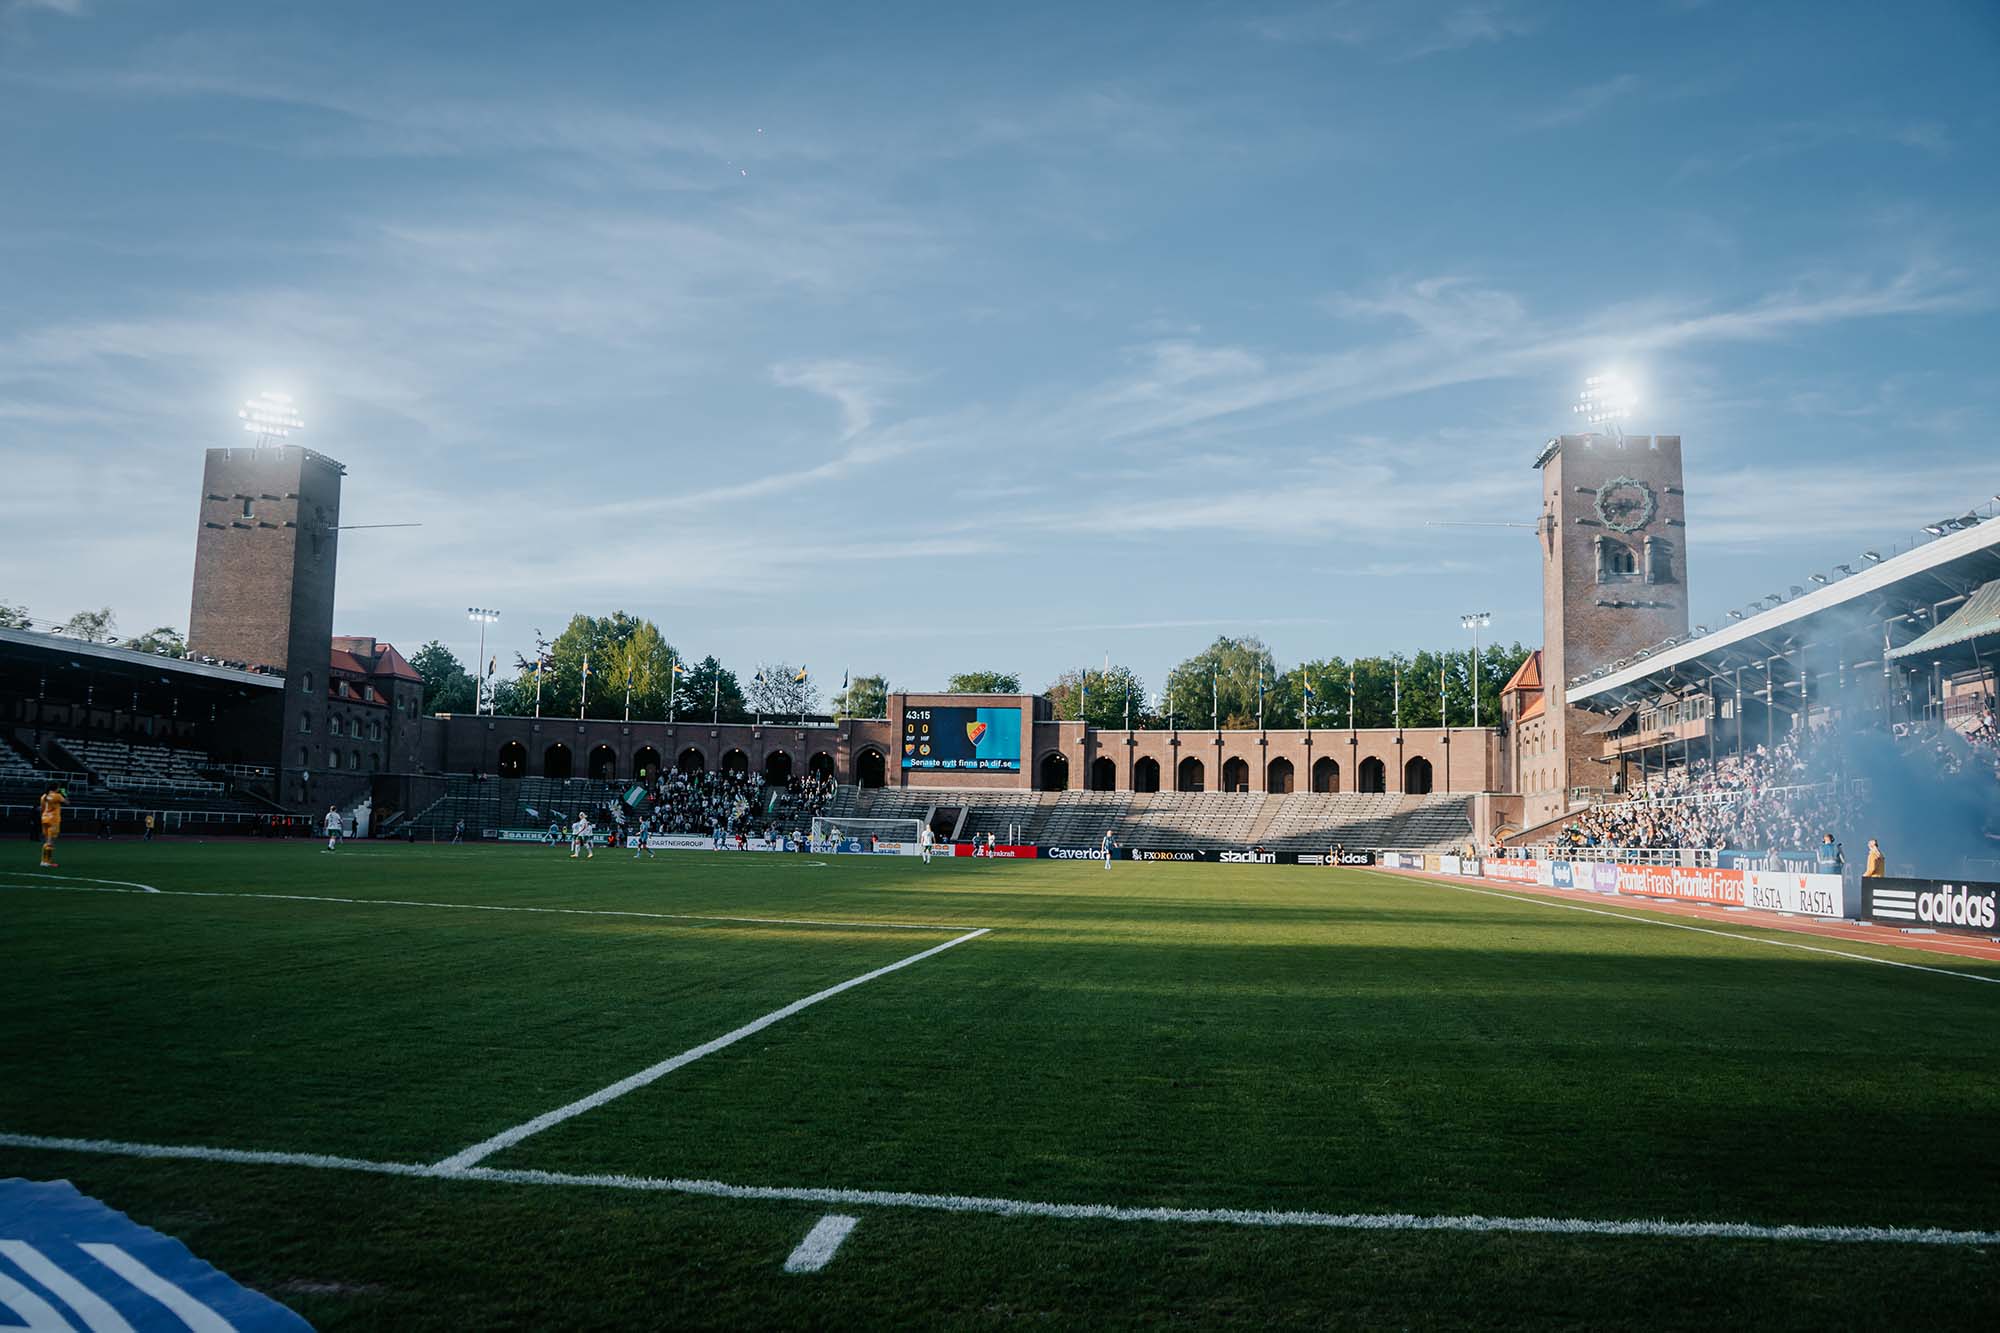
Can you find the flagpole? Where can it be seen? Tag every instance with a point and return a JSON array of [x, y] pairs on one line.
[[583, 693], [628, 696], [715, 710]]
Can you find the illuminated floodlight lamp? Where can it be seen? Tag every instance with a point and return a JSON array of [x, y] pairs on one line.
[[1606, 400], [1872, 557], [1819, 578], [270, 417], [1736, 615], [1936, 529]]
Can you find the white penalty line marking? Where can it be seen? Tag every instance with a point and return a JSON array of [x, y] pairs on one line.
[[1074, 1212], [30, 882], [509, 1137], [1699, 930], [817, 1249]]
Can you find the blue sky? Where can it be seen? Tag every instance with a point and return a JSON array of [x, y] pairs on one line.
[[909, 338]]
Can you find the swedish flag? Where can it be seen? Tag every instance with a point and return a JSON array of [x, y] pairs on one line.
[[799, 675]]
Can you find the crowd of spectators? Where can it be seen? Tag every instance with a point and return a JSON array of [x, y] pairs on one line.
[[1779, 800], [811, 794], [704, 802]]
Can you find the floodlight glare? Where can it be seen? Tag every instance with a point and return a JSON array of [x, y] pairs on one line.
[[270, 417], [1606, 400], [1872, 557]]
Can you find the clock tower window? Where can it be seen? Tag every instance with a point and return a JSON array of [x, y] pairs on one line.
[[1616, 561]]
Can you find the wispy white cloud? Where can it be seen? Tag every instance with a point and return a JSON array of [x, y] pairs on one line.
[[858, 388], [1581, 104]]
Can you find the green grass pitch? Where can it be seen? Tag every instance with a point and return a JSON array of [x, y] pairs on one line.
[[1185, 1037]]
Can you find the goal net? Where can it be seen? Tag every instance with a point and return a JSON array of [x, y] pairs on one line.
[[826, 829]]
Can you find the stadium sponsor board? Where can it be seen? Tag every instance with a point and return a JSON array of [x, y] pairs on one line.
[[1402, 861], [883, 847], [1801, 894], [1077, 853], [1512, 871], [1328, 859], [600, 837], [1451, 864], [1248, 858], [1170, 854], [1000, 851], [1693, 884], [1603, 877], [1955, 905], [1562, 874]]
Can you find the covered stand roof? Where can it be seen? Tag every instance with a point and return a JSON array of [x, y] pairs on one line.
[[1979, 618]]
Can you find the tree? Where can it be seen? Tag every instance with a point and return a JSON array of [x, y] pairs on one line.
[[984, 682], [709, 689], [781, 690], [90, 626], [448, 686], [865, 696], [1099, 697], [14, 617], [166, 641], [620, 648], [1221, 683]]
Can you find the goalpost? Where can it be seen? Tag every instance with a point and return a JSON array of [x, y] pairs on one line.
[[827, 829]]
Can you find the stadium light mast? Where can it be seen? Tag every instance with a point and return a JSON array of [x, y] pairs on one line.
[[1475, 622], [1606, 400], [271, 418], [484, 617]]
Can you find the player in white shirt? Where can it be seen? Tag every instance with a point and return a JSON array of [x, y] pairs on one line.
[[580, 839], [924, 841], [332, 828], [1105, 846], [989, 846]]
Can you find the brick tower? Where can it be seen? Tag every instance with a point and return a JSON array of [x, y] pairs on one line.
[[263, 582], [1614, 580]]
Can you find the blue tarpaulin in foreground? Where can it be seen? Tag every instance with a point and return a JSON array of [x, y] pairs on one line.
[[67, 1262]]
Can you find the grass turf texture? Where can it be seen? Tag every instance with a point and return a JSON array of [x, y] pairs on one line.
[[1199, 1036]]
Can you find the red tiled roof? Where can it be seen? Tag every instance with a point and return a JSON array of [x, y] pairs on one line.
[[385, 660], [1528, 676]]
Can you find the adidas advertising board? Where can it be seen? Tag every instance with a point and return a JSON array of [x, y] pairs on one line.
[[1343, 859], [1955, 905]]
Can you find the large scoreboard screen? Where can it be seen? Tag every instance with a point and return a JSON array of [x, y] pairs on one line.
[[986, 740]]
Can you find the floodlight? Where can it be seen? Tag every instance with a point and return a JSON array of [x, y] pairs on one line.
[[270, 417], [1872, 557], [1845, 570], [1797, 591], [1701, 629], [1935, 529], [1736, 615], [1819, 578], [1605, 400]]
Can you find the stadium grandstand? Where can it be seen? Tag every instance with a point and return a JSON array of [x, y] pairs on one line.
[[1629, 730]]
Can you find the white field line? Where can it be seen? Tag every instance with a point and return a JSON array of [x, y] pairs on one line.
[[60, 880], [1079, 1212], [32, 883], [507, 1138], [1699, 930], [817, 1249]]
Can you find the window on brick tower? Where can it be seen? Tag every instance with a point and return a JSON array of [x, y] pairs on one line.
[[1615, 560]]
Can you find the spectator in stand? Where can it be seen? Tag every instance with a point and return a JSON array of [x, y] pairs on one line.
[[1878, 866]]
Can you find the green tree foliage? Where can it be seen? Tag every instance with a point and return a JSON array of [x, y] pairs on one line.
[[448, 686], [166, 641], [14, 617], [984, 682], [621, 649], [1220, 682], [90, 626], [777, 691], [710, 690], [1099, 696], [865, 696]]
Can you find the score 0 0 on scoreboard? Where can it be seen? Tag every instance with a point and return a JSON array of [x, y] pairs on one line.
[[957, 739]]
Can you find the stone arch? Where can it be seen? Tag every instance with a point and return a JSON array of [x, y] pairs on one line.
[[646, 763], [556, 762], [1146, 775], [1235, 774], [603, 763], [821, 764], [1326, 774], [778, 767], [1104, 773], [1373, 777], [1191, 776], [691, 761], [1278, 777], [734, 762], [869, 770], [1417, 776], [1054, 771]]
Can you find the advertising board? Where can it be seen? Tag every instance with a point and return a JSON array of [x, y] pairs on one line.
[[1801, 894], [1693, 884], [1954, 905], [1328, 859]]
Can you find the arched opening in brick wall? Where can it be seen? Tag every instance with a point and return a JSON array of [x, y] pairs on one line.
[[691, 761], [1104, 773], [1278, 777], [1055, 771], [556, 762], [1235, 775], [734, 762], [1373, 778], [603, 763], [777, 768], [1326, 775], [646, 764], [1417, 777], [1191, 776], [869, 770], [1146, 775], [821, 765]]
